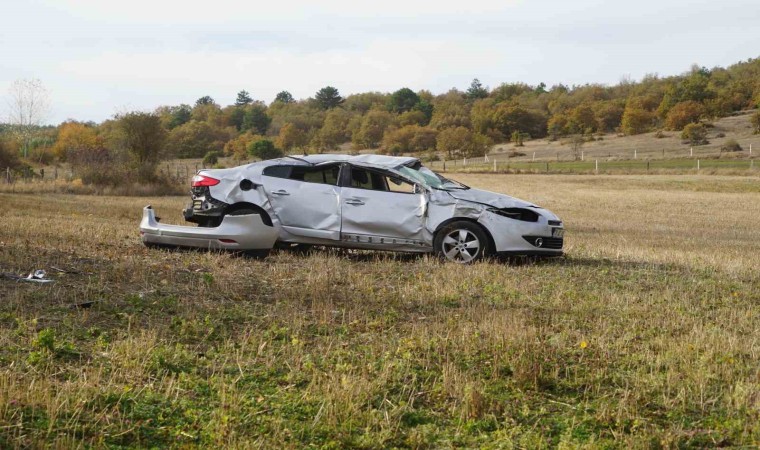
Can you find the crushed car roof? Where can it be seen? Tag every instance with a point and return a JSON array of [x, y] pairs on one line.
[[374, 160]]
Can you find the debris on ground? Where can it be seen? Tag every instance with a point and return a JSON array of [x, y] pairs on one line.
[[37, 276]]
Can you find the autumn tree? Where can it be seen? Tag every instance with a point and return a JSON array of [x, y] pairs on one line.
[[334, 131], [414, 117], [510, 118], [142, 137], [291, 137], [608, 115], [210, 113], [582, 119], [363, 102], [684, 113], [411, 138], [636, 119], [557, 126], [29, 106], [238, 146], [195, 139], [328, 97], [451, 110], [462, 142], [372, 129], [75, 136]]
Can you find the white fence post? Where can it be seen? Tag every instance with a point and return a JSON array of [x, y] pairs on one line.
[[697, 165], [596, 167], [534, 156], [581, 156], [691, 151], [635, 154]]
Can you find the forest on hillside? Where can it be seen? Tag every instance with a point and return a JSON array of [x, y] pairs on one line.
[[458, 123]]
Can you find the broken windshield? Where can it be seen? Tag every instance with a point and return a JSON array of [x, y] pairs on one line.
[[427, 177]]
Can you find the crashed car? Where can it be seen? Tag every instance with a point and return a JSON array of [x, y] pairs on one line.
[[361, 202]]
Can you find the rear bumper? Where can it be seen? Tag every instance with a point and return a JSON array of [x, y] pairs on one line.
[[235, 233]]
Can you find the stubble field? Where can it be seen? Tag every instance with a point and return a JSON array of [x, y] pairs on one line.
[[645, 335]]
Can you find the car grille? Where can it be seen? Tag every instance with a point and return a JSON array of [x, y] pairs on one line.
[[549, 243]]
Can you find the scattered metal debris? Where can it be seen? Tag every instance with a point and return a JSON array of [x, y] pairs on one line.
[[38, 276]]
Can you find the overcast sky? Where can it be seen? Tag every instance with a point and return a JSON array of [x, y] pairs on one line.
[[100, 57]]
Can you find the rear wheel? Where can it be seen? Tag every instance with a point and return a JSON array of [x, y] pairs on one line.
[[462, 242]]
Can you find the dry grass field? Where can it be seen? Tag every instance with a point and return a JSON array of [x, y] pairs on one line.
[[645, 335]]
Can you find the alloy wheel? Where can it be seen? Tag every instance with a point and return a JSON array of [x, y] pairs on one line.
[[461, 246]]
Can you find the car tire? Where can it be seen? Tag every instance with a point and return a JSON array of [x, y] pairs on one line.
[[462, 241]]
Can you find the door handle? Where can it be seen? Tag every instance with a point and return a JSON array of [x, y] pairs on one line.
[[354, 201], [280, 192]]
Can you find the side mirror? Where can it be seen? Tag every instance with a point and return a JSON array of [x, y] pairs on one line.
[[418, 189]]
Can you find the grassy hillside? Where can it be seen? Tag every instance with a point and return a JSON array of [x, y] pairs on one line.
[[647, 145], [645, 335]]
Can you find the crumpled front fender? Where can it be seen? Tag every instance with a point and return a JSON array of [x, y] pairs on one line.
[[245, 232]]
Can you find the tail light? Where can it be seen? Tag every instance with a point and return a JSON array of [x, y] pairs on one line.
[[203, 180]]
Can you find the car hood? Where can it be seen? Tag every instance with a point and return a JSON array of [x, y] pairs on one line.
[[490, 198]]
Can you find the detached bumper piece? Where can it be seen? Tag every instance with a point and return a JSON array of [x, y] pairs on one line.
[[246, 232]]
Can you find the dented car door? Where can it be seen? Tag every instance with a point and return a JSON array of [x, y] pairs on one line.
[[380, 208], [305, 199]]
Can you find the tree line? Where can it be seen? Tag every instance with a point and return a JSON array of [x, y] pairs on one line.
[[458, 123]]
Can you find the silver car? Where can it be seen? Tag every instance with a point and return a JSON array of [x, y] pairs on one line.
[[364, 202]]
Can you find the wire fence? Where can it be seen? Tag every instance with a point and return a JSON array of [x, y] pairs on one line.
[[598, 166], [590, 155]]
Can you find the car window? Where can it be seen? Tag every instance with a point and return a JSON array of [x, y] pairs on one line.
[[376, 181], [396, 184], [327, 174], [277, 171]]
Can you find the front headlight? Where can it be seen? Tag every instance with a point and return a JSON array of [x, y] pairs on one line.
[[523, 214]]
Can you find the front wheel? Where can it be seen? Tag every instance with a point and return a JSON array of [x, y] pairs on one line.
[[461, 242]]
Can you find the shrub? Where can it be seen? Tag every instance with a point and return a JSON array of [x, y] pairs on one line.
[[720, 135], [211, 158], [264, 149], [8, 156], [694, 134], [755, 121], [659, 134], [731, 146]]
